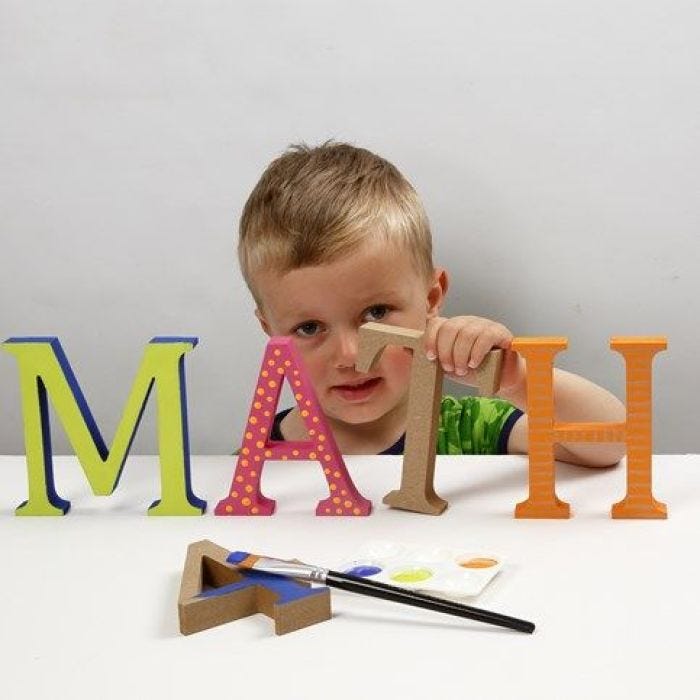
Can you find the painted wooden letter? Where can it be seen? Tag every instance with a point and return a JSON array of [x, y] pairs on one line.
[[45, 372], [544, 431], [213, 592], [283, 361]]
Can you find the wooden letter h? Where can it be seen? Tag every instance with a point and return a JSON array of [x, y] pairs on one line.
[[544, 431]]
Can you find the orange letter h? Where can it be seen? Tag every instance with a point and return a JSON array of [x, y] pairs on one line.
[[544, 431]]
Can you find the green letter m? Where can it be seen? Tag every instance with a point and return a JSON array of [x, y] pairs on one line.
[[45, 372]]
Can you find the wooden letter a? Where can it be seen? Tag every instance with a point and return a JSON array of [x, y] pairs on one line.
[[283, 361]]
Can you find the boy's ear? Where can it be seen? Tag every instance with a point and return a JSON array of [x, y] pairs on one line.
[[437, 291], [263, 322]]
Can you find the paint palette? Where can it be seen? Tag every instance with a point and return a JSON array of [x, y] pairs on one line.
[[450, 572]]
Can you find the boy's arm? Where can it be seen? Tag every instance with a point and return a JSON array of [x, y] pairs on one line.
[[461, 343], [576, 400]]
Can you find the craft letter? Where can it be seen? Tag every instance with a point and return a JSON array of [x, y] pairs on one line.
[[416, 492], [544, 431], [45, 372], [213, 591], [281, 362]]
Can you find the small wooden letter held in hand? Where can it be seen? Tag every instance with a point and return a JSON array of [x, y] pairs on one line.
[[417, 492], [488, 373]]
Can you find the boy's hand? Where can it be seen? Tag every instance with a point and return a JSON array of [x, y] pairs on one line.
[[460, 344]]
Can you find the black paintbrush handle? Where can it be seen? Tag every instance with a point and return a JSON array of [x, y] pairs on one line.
[[356, 584]]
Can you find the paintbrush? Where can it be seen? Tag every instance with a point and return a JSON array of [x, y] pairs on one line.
[[356, 584]]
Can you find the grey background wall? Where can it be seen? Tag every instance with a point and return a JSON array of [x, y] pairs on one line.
[[556, 147]]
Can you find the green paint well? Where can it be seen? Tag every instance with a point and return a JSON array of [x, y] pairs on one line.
[[411, 575]]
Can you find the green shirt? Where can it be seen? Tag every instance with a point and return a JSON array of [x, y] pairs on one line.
[[469, 425], [475, 425]]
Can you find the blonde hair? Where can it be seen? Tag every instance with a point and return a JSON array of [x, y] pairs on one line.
[[314, 205]]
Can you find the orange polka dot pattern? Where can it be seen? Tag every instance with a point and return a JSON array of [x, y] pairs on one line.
[[282, 361]]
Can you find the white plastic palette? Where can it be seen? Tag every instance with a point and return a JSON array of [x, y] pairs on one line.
[[451, 572]]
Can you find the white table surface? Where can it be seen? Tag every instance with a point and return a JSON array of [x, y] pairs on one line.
[[88, 602]]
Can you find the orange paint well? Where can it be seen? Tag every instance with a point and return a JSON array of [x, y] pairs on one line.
[[478, 563]]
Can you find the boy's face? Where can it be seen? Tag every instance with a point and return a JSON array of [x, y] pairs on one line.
[[322, 308]]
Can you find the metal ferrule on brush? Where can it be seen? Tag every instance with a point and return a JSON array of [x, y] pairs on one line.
[[305, 572]]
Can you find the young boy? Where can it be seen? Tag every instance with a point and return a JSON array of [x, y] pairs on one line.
[[333, 237]]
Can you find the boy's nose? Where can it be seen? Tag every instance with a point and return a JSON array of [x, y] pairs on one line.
[[345, 350]]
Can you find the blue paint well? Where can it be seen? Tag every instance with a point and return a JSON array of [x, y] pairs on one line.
[[364, 570]]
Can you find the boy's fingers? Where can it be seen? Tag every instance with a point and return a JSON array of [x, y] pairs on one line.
[[445, 343], [494, 337], [430, 336], [462, 350], [461, 343]]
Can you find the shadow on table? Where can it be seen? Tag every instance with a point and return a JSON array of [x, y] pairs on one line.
[[442, 622]]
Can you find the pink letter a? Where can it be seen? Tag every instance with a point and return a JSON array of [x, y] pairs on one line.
[[282, 361]]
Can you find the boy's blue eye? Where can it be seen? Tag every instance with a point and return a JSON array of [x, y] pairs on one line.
[[376, 313], [306, 330]]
